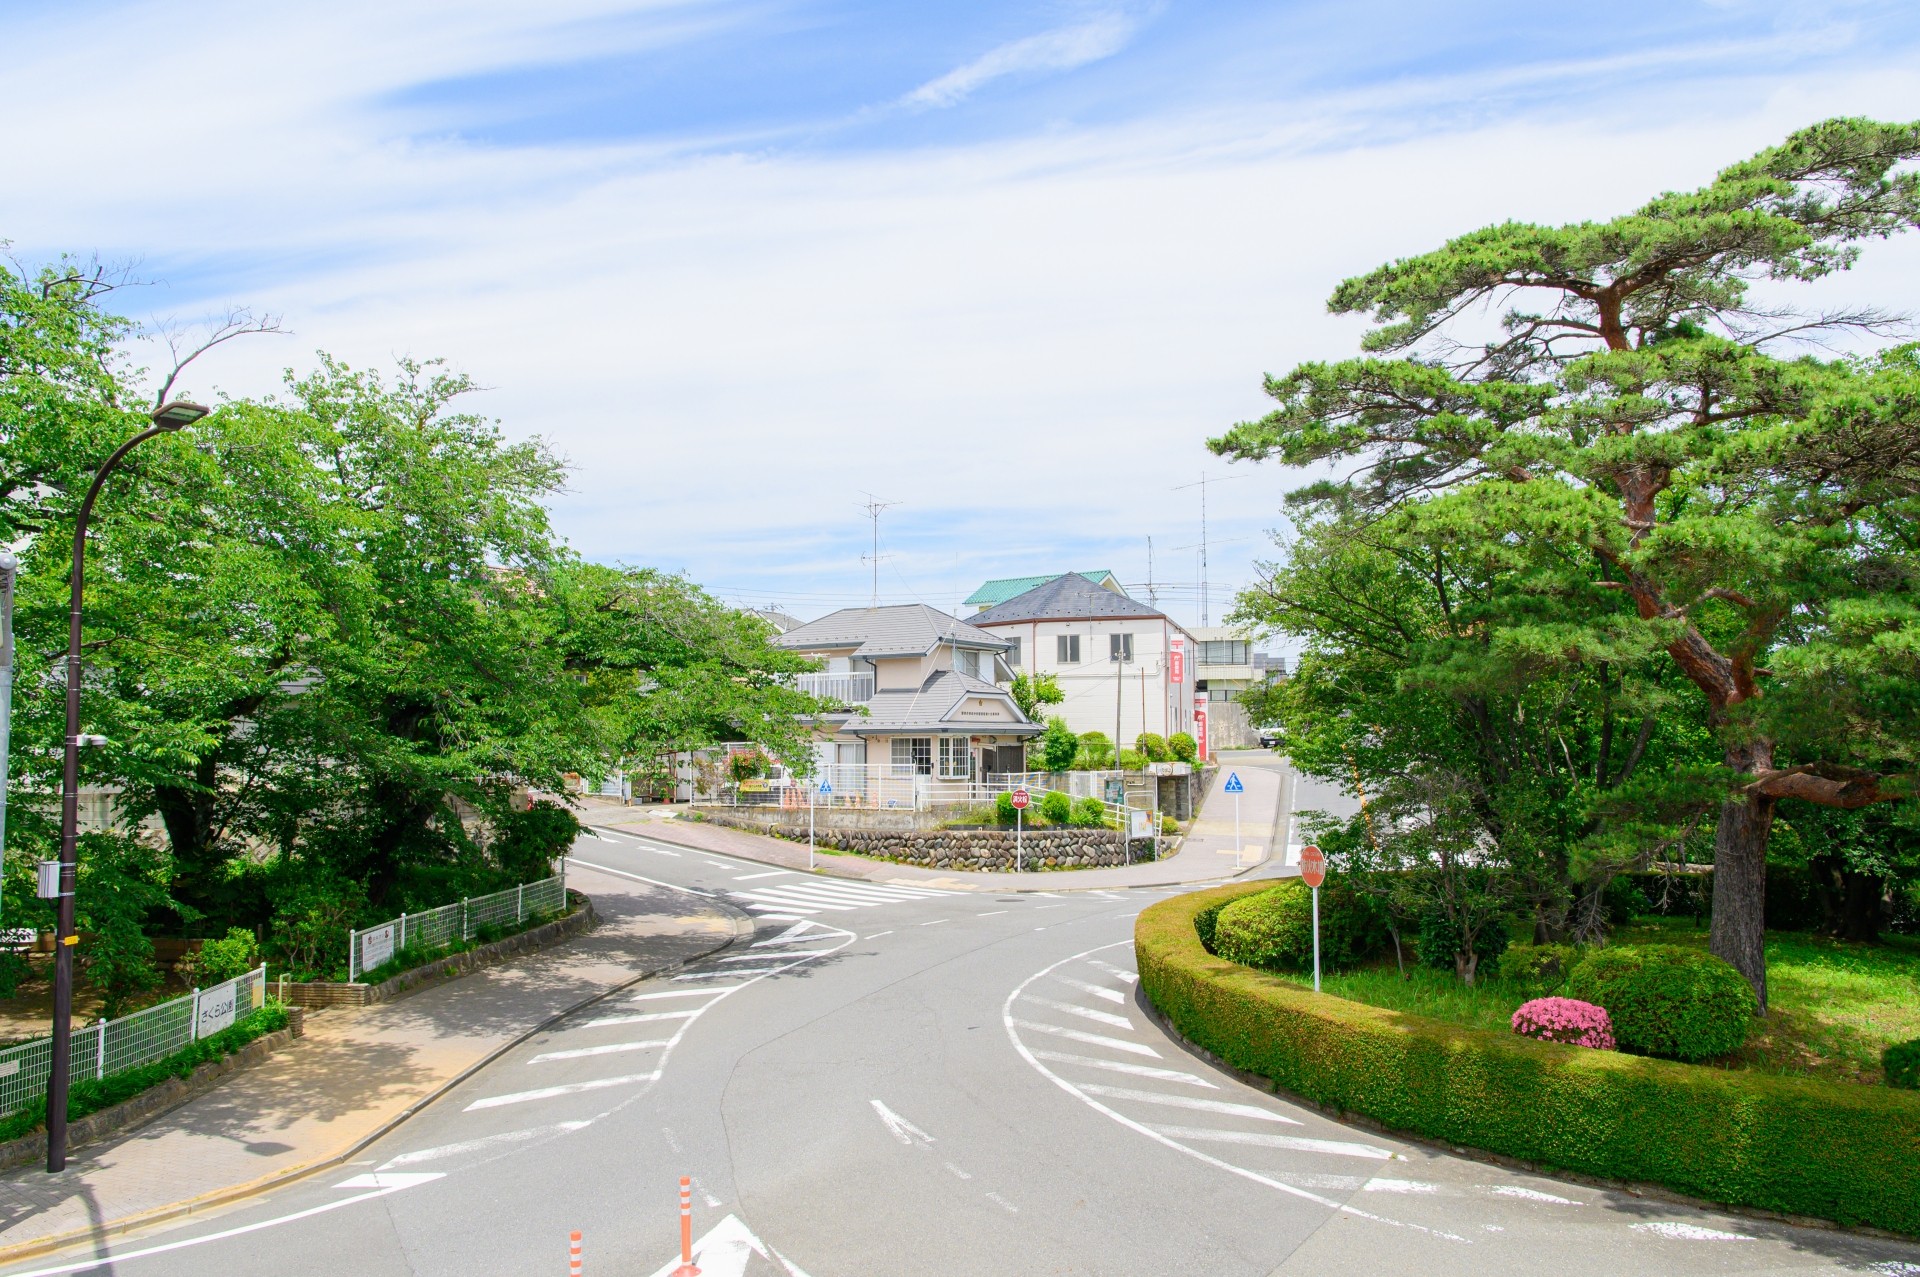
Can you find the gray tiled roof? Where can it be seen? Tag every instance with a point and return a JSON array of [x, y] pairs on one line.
[[908, 629], [1065, 598], [924, 710]]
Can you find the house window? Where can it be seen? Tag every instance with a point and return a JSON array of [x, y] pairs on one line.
[[913, 755], [1119, 647], [1225, 652], [1069, 649], [956, 759], [1013, 656], [967, 661]]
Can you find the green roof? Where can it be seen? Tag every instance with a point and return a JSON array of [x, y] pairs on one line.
[[999, 591]]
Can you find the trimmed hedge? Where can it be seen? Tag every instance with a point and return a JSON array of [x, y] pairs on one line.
[[1274, 929], [1666, 1000], [1793, 1145]]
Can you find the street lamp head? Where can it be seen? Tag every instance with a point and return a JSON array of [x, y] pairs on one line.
[[178, 413]]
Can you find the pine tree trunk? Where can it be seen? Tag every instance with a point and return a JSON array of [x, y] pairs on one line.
[[1740, 874]]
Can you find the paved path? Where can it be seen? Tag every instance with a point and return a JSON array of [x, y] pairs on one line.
[[942, 1082], [355, 1072]]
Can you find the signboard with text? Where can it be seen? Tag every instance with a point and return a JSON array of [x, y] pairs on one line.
[[1020, 799], [1200, 725], [1313, 866], [215, 1010], [1176, 661], [376, 947]]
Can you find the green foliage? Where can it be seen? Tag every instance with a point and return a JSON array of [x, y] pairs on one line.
[[1058, 746], [1440, 943], [14, 968], [313, 908], [1538, 970], [89, 1095], [1901, 1061], [221, 960], [526, 843], [1168, 825], [1183, 747], [1787, 1144], [1206, 925], [1132, 760], [1668, 1001], [1154, 746], [1056, 806], [1003, 809], [1274, 929], [1088, 813], [116, 889], [1031, 691], [1096, 752], [748, 764]]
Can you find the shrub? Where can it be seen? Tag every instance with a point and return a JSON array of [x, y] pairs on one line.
[[1183, 747], [1003, 810], [1206, 922], [1154, 746], [526, 843], [1902, 1064], [221, 960], [1538, 969], [1565, 1020], [1168, 825], [13, 969], [1669, 1001], [1058, 746], [1056, 807], [1439, 941], [1096, 752], [1274, 928], [1132, 760], [746, 765], [1088, 813]]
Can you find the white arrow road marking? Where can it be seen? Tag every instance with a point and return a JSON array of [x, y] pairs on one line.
[[1136, 1048], [475, 1145], [725, 1250], [571, 1088], [903, 1130], [1189, 1102], [94, 1262], [1343, 1148], [1118, 1066]]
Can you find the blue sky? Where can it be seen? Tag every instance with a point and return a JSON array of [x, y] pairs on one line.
[[745, 261]]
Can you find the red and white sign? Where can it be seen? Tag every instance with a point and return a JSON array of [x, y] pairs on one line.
[[1020, 799], [1176, 661], [1200, 725], [1313, 866]]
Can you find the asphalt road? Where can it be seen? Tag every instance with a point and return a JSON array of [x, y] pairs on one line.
[[901, 1081]]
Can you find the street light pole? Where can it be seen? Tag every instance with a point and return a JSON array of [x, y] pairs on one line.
[[166, 419]]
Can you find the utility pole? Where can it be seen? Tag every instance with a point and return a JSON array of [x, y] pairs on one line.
[[873, 507]]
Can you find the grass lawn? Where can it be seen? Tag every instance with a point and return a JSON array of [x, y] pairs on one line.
[[1835, 1006]]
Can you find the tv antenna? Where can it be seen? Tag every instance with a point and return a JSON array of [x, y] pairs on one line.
[[1201, 483], [873, 507]]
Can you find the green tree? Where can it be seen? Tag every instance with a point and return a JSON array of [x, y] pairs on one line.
[[1633, 409], [1030, 692], [1058, 746]]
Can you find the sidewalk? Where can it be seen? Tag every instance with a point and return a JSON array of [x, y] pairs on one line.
[[356, 1073], [1205, 856]]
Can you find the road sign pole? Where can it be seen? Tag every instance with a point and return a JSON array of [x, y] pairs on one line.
[[813, 791], [1236, 831], [1019, 829], [1313, 872], [1316, 939]]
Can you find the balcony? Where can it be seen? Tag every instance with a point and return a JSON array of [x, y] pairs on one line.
[[854, 689]]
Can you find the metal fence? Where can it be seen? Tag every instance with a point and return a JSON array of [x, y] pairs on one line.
[[114, 1046], [370, 947]]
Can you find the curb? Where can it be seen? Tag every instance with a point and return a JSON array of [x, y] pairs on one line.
[[743, 926]]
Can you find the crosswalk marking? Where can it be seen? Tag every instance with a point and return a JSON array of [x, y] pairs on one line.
[[1094, 1039], [571, 1088], [1188, 1102], [1343, 1148], [1120, 1066], [1085, 1013], [771, 873], [781, 900], [612, 1048]]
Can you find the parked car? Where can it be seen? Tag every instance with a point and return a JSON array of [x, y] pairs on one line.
[[1269, 738]]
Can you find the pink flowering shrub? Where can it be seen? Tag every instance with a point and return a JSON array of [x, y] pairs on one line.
[[1565, 1020]]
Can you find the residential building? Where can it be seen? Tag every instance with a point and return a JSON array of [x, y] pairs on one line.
[[1114, 657], [1223, 662], [998, 591], [929, 705]]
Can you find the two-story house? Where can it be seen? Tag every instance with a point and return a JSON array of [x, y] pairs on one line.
[[1120, 662], [928, 703]]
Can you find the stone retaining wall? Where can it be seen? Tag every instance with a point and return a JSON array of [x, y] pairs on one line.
[[983, 849]]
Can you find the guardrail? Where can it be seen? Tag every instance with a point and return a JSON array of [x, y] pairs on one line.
[[370, 947], [114, 1046]]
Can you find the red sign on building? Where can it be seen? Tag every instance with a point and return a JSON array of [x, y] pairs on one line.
[[1200, 724], [1177, 661]]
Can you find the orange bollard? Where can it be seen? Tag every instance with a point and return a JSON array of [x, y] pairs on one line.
[[573, 1253], [686, 1268]]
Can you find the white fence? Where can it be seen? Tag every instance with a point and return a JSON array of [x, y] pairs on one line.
[[370, 947], [114, 1046], [900, 785]]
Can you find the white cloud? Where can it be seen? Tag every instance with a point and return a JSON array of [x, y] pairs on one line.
[[1061, 49]]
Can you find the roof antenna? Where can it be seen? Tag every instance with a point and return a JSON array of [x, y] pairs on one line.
[[1201, 483], [873, 507]]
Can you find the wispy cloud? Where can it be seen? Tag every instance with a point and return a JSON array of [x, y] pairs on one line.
[[1061, 49]]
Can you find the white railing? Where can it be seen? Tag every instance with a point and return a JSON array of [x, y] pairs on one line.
[[370, 947], [114, 1046], [854, 689], [1075, 785]]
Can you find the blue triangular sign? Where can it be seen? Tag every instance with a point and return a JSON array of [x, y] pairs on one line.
[[1233, 783], [826, 787]]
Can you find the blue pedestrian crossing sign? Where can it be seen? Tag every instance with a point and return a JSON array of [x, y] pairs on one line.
[[1233, 784], [826, 787]]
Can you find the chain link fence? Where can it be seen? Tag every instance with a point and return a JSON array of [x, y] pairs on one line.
[[370, 947], [114, 1046]]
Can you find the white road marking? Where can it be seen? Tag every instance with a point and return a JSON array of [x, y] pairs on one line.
[[786, 953], [391, 1179], [1002, 1202], [1398, 1186], [725, 1252], [1136, 1048], [775, 896], [1299, 1144], [97, 1261], [1689, 1232], [1129, 976], [1085, 1013], [728, 975], [876, 935], [549, 1092], [1528, 1194], [792, 935], [1120, 1066], [958, 1173], [1097, 990], [771, 873], [1038, 908], [936, 922], [903, 1130], [1189, 1102], [993, 913], [611, 1048], [679, 993], [643, 1018], [621, 873], [485, 1141]]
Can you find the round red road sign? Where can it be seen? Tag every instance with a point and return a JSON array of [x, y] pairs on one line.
[[1313, 866], [1020, 799]]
